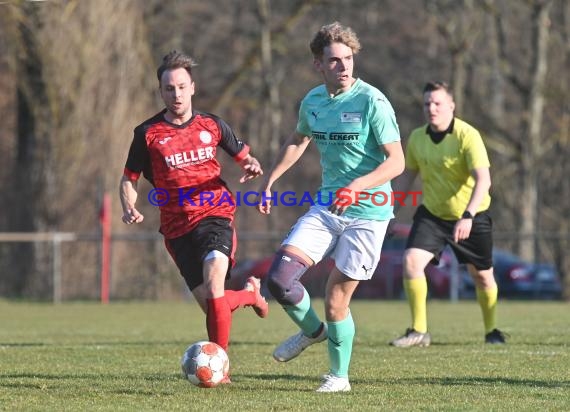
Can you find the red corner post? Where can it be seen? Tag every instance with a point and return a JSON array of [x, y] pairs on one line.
[[105, 221]]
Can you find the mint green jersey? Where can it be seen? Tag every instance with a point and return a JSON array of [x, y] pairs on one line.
[[349, 130]]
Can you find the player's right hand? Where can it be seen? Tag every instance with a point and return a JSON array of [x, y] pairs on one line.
[[131, 216]]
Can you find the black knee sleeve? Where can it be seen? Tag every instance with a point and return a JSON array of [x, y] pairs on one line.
[[283, 279]]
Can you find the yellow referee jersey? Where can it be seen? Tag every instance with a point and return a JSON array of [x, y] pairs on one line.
[[445, 168]]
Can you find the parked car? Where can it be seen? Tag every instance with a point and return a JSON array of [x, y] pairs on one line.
[[517, 278], [386, 282]]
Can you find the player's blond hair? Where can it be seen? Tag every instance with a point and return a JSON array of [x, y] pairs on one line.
[[334, 33]]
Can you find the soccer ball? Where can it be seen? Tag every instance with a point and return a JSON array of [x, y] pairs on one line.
[[205, 364]]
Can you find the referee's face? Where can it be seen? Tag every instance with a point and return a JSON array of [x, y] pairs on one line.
[[438, 109]]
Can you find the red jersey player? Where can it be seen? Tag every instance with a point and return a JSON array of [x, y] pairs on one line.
[[175, 150]]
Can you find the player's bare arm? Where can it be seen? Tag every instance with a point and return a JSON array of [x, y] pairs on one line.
[[128, 195], [290, 152]]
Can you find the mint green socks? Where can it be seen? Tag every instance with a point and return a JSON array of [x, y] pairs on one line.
[[341, 335], [304, 315]]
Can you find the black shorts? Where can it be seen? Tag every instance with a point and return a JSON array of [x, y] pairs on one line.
[[432, 234], [189, 250]]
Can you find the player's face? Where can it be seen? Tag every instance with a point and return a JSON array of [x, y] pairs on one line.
[[336, 66], [176, 90], [438, 109]]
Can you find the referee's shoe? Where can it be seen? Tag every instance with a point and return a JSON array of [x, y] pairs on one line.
[[412, 338]]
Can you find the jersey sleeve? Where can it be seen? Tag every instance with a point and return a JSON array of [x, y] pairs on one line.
[[475, 151], [138, 160], [383, 120], [302, 123], [233, 146]]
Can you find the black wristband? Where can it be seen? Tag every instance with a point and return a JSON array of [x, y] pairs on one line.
[[467, 215]]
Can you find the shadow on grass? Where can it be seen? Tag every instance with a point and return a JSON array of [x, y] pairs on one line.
[[272, 377], [24, 344], [446, 381], [279, 382], [470, 381], [38, 381], [463, 344], [85, 344], [91, 376], [122, 343]]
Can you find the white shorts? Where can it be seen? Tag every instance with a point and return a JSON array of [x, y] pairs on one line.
[[353, 243]]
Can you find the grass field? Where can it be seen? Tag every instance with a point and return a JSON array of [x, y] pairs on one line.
[[125, 357]]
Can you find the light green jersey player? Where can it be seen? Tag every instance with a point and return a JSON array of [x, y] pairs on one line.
[[348, 130], [355, 130]]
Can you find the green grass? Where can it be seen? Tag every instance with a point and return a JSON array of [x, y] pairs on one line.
[[125, 357]]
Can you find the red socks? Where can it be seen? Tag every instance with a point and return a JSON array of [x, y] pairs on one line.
[[219, 321], [239, 298], [219, 316]]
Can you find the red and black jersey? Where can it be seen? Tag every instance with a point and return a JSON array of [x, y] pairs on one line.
[[181, 160]]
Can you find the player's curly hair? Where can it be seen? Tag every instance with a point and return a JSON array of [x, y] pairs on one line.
[[334, 33], [175, 60]]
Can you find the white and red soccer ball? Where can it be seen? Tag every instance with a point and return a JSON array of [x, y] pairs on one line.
[[205, 364]]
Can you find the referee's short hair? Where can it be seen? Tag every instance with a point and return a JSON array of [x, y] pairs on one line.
[[438, 85]]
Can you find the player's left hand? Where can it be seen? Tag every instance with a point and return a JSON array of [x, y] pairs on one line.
[[252, 168], [462, 229]]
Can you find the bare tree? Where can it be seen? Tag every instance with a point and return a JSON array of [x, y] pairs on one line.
[[77, 66], [459, 23], [76, 105], [527, 139]]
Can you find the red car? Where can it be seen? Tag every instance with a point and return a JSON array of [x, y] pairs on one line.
[[385, 283]]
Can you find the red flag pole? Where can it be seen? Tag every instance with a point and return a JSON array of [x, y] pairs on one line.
[[105, 219]]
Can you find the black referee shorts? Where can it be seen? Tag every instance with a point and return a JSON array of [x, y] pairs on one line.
[[189, 250], [432, 234]]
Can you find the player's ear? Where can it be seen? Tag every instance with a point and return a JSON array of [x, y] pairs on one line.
[[317, 64]]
